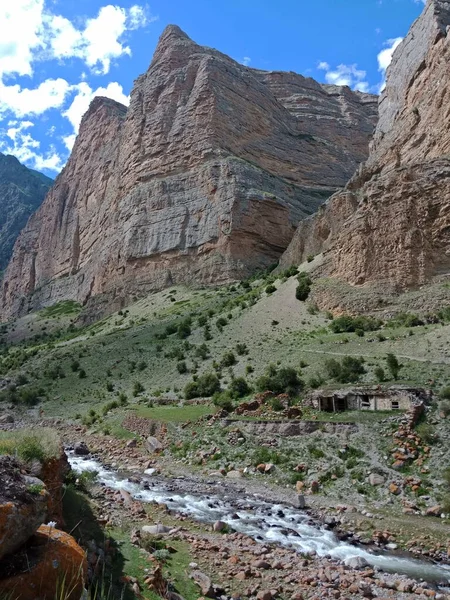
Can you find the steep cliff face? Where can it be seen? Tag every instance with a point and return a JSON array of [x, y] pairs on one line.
[[391, 224], [22, 191], [203, 179]]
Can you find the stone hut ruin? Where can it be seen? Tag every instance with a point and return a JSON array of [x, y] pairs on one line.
[[368, 398]]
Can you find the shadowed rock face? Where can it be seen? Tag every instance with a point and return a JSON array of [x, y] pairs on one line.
[[391, 224], [203, 179], [22, 191]]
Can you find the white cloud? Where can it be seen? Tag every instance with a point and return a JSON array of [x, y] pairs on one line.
[[348, 75], [31, 31], [246, 60], [80, 104], [20, 35], [385, 57], [51, 93], [22, 145]]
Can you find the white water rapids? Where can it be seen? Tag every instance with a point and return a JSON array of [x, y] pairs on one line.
[[263, 522]]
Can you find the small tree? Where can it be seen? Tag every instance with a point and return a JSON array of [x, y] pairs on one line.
[[393, 365], [380, 374], [304, 287]]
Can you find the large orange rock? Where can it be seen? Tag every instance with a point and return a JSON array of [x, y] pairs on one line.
[[51, 563]]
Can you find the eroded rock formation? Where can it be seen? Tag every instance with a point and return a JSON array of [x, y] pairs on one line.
[[203, 179], [391, 224]]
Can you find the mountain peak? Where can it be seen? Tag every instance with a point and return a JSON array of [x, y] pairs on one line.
[[174, 31]]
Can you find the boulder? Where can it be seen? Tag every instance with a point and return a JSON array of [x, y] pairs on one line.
[[52, 557], [376, 479], [235, 474], [23, 506], [219, 526], [300, 502], [394, 489], [157, 529], [81, 449], [153, 445], [434, 511], [356, 562], [204, 583]]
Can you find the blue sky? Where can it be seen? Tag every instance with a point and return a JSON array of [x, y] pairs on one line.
[[56, 55]]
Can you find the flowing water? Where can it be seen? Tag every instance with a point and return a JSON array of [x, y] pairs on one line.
[[263, 522]]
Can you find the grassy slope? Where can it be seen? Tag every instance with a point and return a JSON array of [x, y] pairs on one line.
[[122, 350]]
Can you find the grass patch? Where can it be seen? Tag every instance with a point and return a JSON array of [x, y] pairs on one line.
[[65, 307], [36, 444], [175, 414]]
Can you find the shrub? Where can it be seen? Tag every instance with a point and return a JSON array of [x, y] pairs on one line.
[[224, 400], [380, 374], [289, 272], [228, 359], [393, 365], [270, 289], [109, 386], [347, 324], [21, 379], [138, 388], [239, 387], [221, 322], [405, 320], [202, 320], [82, 374], [184, 329], [315, 382], [205, 385], [171, 329], [241, 349], [303, 287], [202, 351], [284, 380], [310, 258], [182, 367], [445, 393], [75, 365], [347, 371]]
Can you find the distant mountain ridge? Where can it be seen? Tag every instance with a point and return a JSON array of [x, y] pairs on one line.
[[203, 179], [22, 191]]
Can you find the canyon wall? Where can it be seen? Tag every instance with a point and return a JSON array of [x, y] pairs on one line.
[[391, 223], [202, 179]]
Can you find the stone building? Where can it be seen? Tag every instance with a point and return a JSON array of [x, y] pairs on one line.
[[368, 398]]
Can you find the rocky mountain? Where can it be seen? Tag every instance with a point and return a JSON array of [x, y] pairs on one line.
[[203, 179], [22, 191], [391, 224]]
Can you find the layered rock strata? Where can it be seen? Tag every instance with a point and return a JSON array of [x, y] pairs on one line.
[[203, 179], [391, 224]]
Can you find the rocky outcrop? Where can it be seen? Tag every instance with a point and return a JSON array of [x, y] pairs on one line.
[[23, 506], [203, 179], [391, 224], [52, 565], [22, 191]]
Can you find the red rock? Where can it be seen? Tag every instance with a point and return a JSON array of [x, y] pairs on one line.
[[55, 557], [196, 172]]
